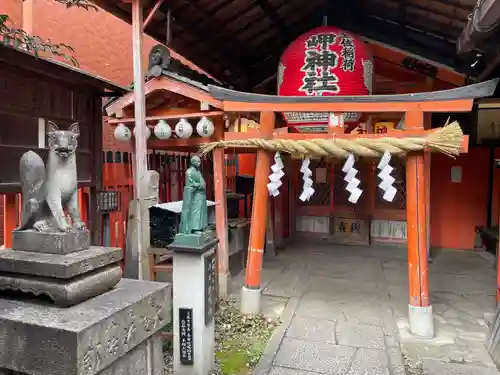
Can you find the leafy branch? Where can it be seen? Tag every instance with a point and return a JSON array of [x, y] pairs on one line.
[[20, 39], [85, 4]]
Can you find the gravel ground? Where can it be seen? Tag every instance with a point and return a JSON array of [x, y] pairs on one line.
[[239, 339]]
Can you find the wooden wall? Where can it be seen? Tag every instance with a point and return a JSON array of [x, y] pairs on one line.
[[28, 99], [34, 91]]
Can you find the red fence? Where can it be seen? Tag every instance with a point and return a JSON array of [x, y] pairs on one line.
[[118, 176]]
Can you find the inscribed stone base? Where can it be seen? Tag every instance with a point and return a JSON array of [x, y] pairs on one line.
[[132, 363], [51, 243], [104, 335]]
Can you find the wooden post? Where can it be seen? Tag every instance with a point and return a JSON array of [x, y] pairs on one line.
[[221, 212], [95, 217], [427, 166], [420, 310], [9, 218], [140, 183], [250, 294]]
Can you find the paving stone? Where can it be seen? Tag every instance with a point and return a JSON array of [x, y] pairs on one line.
[[365, 271], [471, 284], [289, 371], [440, 368], [312, 329], [360, 336], [320, 309], [334, 286], [333, 295], [369, 362], [315, 357], [363, 313], [439, 282], [287, 285]]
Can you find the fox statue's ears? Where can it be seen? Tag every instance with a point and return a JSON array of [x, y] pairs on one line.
[[75, 129], [52, 127]]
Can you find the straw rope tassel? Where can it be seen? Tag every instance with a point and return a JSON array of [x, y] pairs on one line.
[[447, 140]]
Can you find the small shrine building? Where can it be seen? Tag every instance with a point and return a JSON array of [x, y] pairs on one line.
[[362, 161]]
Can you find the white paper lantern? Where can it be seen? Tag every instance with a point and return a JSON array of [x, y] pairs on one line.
[[183, 129], [122, 133], [205, 127], [162, 130], [148, 132]]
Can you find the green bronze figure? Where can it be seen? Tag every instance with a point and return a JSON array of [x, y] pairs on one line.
[[194, 216]]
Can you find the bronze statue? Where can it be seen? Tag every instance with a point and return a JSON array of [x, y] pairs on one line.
[[194, 216], [50, 190]]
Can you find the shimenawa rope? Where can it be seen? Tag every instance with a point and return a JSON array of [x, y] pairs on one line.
[[447, 140]]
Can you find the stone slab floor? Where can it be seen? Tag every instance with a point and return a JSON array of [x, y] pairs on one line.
[[352, 305]]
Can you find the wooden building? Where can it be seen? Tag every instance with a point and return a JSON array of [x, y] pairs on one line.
[[34, 91]]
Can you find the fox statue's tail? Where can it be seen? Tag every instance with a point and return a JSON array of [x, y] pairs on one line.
[[32, 169]]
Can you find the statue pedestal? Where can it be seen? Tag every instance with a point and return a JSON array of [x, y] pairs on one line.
[[195, 295], [106, 335], [58, 268], [50, 243]]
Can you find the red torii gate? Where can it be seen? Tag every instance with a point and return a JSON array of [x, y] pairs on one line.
[[414, 107]]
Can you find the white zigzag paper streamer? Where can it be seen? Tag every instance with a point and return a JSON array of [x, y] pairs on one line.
[[275, 177], [386, 185], [352, 181], [307, 189]]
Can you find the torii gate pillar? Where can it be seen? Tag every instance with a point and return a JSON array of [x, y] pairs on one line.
[[251, 291], [420, 309]]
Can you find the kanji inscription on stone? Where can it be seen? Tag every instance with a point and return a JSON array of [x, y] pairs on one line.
[[210, 287]]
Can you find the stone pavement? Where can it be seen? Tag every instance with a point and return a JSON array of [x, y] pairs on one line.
[[349, 315]]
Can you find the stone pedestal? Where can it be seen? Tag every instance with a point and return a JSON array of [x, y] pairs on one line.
[[61, 267], [114, 333], [195, 295], [51, 243]]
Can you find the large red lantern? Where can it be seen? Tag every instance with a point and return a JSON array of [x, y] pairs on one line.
[[323, 62]]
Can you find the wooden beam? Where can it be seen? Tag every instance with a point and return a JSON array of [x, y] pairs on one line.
[[253, 272], [152, 13], [418, 267], [208, 35], [221, 213], [166, 144], [464, 105], [140, 165], [168, 117], [167, 84], [273, 15], [10, 216]]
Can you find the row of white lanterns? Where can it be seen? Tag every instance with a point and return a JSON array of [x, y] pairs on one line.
[[162, 130]]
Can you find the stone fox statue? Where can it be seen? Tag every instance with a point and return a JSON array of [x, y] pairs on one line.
[[50, 190]]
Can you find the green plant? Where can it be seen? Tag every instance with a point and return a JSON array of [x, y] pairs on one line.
[[20, 39], [85, 4]]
